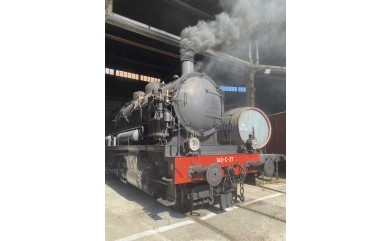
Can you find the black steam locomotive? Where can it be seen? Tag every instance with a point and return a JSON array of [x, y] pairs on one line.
[[177, 143]]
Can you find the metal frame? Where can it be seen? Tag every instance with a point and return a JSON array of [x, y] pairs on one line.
[[128, 42], [189, 8], [142, 29]]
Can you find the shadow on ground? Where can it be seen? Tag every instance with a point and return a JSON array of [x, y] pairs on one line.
[[149, 204]]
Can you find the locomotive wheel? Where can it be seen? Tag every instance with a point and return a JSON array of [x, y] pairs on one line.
[[268, 167]]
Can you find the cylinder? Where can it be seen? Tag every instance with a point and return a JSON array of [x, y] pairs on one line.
[[126, 138], [239, 123]]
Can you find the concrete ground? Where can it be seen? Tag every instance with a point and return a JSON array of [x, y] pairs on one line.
[[134, 215]]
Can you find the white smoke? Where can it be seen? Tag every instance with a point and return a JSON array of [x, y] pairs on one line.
[[241, 21], [204, 35]]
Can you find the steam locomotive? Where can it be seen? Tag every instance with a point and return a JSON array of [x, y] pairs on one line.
[[176, 143]]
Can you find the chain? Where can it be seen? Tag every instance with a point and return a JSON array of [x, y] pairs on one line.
[[241, 192]]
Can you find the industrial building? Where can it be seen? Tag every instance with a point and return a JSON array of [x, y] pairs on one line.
[[143, 46]]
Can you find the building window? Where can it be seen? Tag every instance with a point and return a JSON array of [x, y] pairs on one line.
[[241, 89], [130, 75], [109, 71], [232, 88]]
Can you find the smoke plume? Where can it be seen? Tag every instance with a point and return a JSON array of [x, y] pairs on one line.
[[241, 21], [205, 35]]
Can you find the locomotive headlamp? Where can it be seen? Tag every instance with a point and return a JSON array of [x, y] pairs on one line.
[[192, 144]]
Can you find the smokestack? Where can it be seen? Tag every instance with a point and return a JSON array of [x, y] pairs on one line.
[[187, 65]]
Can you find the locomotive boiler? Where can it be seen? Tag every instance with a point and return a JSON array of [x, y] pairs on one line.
[[176, 142]]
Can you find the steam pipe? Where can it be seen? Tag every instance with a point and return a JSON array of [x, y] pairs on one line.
[[249, 52], [256, 51], [142, 29], [230, 59], [250, 90]]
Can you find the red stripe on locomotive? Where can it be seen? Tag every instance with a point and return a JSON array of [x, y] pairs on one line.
[[183, 163]]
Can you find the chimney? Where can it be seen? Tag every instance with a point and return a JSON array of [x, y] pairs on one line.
[[187, 65]]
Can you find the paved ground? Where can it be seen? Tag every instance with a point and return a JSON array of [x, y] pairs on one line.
[[134, 215]]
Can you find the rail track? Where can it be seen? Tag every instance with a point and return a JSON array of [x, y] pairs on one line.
[[274, 190], [245, 206], [253, 219]]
